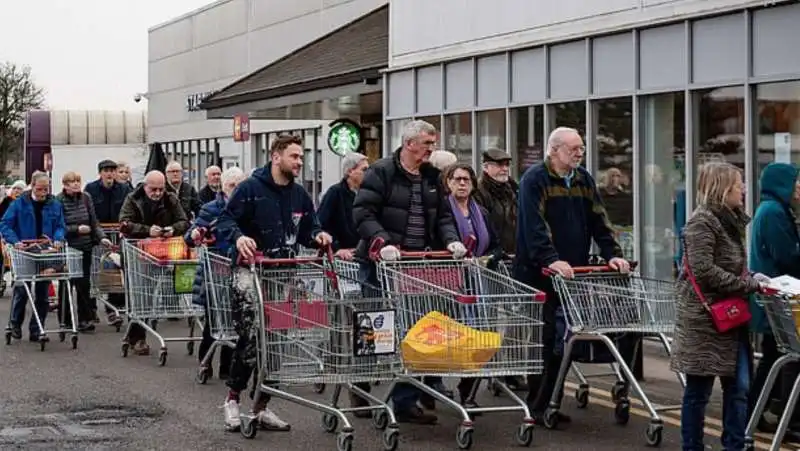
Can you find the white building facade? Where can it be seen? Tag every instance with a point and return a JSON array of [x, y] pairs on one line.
[[656, 87], [206, 50]]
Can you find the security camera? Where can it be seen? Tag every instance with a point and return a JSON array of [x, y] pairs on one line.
[[137, 97]]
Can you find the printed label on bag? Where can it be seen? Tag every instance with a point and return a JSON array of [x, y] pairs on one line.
[[434, 335], [374, 333]]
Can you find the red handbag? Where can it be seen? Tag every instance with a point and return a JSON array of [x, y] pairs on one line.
[[726, 314]]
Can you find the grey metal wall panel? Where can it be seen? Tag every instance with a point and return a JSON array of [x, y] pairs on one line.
[[493, 81], [401, 94], [528, 76], [662, 57], [460, 85], [719, 49], [569, 76], [775, 37], [429, 90], [612, 64]]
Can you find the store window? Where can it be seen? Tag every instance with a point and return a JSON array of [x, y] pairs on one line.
[[491, 130], [720, 126], [663, 195], [396, 133], [527, 136], [436, 121], [778, 123], [458, 135], [614, 143], [572, 114]]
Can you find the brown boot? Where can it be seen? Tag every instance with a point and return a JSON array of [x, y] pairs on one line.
[[141, 348]]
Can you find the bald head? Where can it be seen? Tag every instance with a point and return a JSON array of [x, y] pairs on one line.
[[154, 183], [175, 173]]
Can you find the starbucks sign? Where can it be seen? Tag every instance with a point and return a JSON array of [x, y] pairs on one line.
[[344, 137]]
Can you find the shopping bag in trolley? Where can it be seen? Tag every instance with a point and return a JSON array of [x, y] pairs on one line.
[[437, 343]]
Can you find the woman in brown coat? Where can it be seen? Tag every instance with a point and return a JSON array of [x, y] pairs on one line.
[[715, 254]]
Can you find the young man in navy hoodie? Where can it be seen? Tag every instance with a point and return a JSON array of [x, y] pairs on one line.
[[271, 214]]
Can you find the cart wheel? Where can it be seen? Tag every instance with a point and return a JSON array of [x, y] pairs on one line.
[[464, 438], [525, 434], [551, 418], [344, 442], [190, 348], [162, 358], [619, 391], [249, 428], [582, 396], [62, 337], [655, 432], [202, 376], [8, 338], [622, 412], [118, 326], [319, 388], [391, 438], [42, 344], [380, 419], [125, 347], [74, 340], [330, 422]]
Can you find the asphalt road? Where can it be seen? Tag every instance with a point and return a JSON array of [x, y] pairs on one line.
[[94, 399]]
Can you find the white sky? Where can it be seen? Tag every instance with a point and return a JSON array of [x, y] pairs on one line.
[[86, 54]]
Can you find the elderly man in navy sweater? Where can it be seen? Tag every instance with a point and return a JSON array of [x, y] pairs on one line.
[[560, 213]]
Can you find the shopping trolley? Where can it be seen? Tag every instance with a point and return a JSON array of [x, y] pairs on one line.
[[107, 278], [498, 318], [4, 269], [310, 335], [39, 261], [783, 311], [602, 305], [217, 277], [159, 274]]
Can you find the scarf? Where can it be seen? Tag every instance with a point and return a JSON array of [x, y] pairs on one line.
[[503, 193], [478, 224], [734, 222]]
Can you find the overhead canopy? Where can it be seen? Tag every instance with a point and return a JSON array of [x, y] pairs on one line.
[[354, 54]]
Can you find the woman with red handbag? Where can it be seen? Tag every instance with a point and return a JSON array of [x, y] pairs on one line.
[[711, 330]]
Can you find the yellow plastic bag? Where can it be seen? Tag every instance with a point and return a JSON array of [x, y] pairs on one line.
[[437, 343]]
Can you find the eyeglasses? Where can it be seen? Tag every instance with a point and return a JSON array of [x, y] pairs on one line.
[[461, 179], [577, 149]]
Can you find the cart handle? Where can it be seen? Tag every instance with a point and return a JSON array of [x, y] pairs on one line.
[[109, 225], [325, 254], [589, 269], [379, 243], [30, 243]]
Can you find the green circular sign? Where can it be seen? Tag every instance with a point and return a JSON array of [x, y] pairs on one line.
[[344, 137]]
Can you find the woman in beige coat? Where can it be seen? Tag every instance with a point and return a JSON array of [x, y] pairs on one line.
[[715, 253]]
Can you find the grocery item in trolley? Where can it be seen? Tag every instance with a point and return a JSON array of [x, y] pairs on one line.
[[159, 274], [38, 261], [781, 303], [602, 305], [308, 334], [458, 318]]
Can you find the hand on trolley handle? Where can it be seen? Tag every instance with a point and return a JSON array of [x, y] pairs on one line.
[[379, 250], [563, 269], [27, 244]]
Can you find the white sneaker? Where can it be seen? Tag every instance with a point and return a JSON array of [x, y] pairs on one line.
[[232, 420], [271, 422]]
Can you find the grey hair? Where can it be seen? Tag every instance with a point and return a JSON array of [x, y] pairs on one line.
[[37, 176], [415, 129], [556, 137], [173, 164], [351, 160], [441, 159], [122, 164], [231, 174]]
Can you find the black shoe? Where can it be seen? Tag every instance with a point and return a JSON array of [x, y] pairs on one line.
[[86, 327], [16, 332], [516, 383], [562, 418], [358, 401], [415, 415], [472, 405], [766, 426], [34, 338]]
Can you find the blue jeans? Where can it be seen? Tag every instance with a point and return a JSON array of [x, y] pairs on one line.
[[734, 406], [19, 300], [404, 396]]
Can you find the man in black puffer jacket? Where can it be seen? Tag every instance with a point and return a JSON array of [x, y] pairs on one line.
[[402, 202]]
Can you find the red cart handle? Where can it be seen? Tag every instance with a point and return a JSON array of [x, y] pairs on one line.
[[589, 269], [325, 254], [110, 225], [379, 243]]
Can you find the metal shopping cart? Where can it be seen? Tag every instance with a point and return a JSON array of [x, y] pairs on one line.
[[217, 275], [39, 261], [783, 312], [460, 319], [310, 335], [602, 305], [159, 274], [107, 278]]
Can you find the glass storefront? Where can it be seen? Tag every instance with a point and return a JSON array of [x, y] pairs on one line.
[[778, 139], [527, 137], [458, 136], [491, 130], [719, 118]]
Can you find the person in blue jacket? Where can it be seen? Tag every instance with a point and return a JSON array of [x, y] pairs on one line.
[[774, 251], [36, 214], [206, 222], [272, 214]]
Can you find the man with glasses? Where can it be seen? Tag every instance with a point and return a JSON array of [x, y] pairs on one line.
[[560, 213], [187, 194], [150, 211]]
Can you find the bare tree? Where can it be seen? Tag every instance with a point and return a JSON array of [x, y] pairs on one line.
[[18, 95]]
